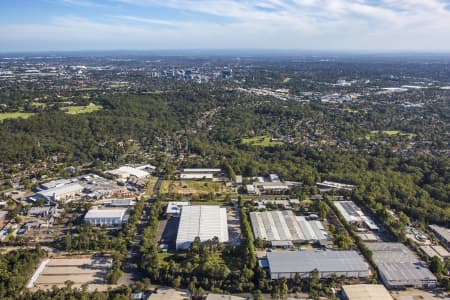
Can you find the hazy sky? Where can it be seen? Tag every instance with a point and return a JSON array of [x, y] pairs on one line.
[[378, 25]]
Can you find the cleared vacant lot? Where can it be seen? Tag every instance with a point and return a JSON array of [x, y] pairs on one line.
[[81, 270], [191, 187]]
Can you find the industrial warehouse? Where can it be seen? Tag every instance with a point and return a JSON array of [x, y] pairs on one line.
[[342, 263], [354, 215], [399, 267], [111, 217], [285, 226], [203, 221]]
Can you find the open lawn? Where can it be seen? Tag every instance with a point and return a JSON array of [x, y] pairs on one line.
[[74, 110], [389, 133], [191, 187], [38, 104], [15, 115], [261, 141]]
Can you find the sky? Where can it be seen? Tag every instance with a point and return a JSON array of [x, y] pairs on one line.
[[326, 25]]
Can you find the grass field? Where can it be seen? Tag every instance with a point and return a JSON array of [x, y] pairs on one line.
[[261, 141], [15, 115], [287, 79], [38, 104], [74, 110], [389, 133]]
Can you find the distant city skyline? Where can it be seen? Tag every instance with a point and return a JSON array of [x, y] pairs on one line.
[[325, 25]]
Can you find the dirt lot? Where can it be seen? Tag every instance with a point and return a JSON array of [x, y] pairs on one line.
[[191, 187], [80, 270]]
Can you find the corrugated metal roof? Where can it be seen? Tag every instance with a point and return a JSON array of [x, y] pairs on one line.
[[203, 221], [95, 213], [61, 190], [323, 261]]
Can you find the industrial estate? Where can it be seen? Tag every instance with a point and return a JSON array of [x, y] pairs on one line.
[[223, 178]]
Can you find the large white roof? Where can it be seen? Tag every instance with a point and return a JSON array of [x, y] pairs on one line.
[[201, 170], [196, 176], [95, 213], [126, 171], [203, 221], [61, 190], [323, 261]]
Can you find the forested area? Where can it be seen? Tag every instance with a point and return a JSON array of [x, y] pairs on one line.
[[416, 185], [16, 267]]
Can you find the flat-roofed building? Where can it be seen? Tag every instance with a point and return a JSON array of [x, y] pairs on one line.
[[174, 207], [55, 183], [250, 189], [63, 193], [272, 187], [203, 221], [353, 214], [443, 234], [274, 178], [342, 263], [330, 185], [202, 170], [365, 292], [399, 267], [441, 251], [127, 171], [112, 217], [197, 176], [285, 226], [40, 211], [429, 251]]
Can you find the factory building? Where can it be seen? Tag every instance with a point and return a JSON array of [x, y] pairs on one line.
[[354, 215], [285, 226], [126, 171], [65, 193], [443, 234], [111, 217], [342, 263], [399, 267], [203, 221]]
